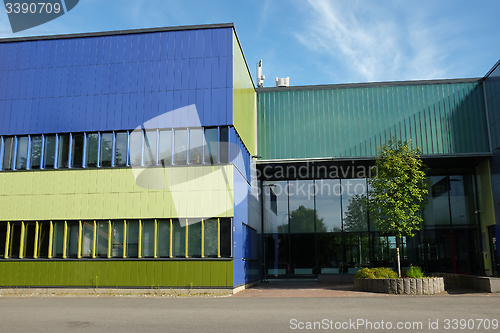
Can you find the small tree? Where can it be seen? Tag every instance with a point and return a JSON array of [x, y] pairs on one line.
[[398, 191]]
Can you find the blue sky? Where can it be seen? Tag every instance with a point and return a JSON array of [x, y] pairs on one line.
[[319, 41]]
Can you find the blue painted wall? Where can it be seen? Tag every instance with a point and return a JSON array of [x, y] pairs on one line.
[[105, 83]]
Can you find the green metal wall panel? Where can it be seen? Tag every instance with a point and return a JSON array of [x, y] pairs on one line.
[[244, 108], [169, 273], [76, 195], [440, 118]]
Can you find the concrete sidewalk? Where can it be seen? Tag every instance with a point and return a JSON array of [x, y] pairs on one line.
[[312, 288]]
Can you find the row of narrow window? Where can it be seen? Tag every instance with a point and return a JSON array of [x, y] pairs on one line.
[[163, 238], [115, 149]]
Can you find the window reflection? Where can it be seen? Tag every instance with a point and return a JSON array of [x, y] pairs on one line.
[[117, 230], [195, 146], [92, 149], [106, 149], [148, 239], [211, 145], [355, 214], [178, 239], [328, 205], [121, 139], [72, 239], [437, 210], [150, 148], [135, 148], [224, 144], [278, 222], [301, 207], [132, 239], [8, 154], [22, 153], [163, 246], [63, 151], [49, 154], [194, 238], [77, 151], [165, 148], [87, 239], [210, 238], [102, 239], [180, 147], [36, 152]]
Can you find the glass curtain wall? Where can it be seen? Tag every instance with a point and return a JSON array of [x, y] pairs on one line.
[[323, 227]]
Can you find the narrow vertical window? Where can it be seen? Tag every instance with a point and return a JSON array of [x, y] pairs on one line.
[[148, 239], [49, 154], [92, 149], [58, 239], [211, 145], [196, 146], [3, 238], [87, 238], [179, 239], [8, 154], [102, 239], [135, 148], [225, 237], [36, 152], [43, 239], [132, 239], [163, 240], [22, 153], [63, 151], [211, 239], [194, 238], [121, 149], [77, 150], [165, 147], [180, 147], [72, 239], [117, 239], [150, 148], [106, 149], [224, 145], [15, 240], [29, 240]]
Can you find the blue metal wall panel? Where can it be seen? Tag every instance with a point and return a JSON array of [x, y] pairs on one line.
[[159, 72]]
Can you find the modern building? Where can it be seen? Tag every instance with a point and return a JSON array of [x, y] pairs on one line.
[[148, 158]]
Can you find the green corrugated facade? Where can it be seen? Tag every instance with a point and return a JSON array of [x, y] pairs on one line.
[[342, 121], [126, 273]]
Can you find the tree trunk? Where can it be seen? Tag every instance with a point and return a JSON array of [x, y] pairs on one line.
[[398, 244]]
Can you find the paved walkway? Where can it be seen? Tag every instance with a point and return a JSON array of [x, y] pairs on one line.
[[294, 288]]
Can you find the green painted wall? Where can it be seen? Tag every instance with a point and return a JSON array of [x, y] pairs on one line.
[[486, 207], [138, 273], [244, 108], [446, 118], [197, 191]]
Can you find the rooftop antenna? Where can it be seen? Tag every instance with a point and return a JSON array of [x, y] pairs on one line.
[[260, 77]]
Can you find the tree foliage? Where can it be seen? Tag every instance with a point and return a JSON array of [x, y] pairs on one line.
[[398, 190], [303, 219]]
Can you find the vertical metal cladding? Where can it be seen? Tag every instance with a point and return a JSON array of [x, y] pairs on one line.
[[103, 83], [440, 118], [245, 118]]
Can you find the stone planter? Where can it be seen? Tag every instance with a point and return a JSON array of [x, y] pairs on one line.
[[407, 286]]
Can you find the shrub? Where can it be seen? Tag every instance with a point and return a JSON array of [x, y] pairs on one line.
[[376, 273], [414, 272]]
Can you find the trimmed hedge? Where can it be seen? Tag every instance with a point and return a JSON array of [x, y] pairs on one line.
[[376, 273]]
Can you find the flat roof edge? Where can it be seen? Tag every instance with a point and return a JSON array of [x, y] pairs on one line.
[[365, 158], [118, 32], [370, 84]]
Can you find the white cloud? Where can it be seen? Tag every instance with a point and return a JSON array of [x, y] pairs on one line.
[[374, 42]]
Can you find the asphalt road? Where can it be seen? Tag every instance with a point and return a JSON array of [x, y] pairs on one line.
[[227, 314]]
